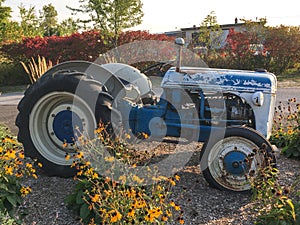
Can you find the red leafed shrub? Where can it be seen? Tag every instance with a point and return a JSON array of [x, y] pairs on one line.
[[78, 46], [276, 49]]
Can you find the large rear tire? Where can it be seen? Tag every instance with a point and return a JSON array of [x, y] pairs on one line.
[[226, 160], [54, 112]]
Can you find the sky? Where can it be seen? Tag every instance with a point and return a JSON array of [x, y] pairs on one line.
[[169, 15]]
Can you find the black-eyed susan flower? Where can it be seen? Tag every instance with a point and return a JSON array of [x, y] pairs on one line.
[[131, 213], [95, 198], [25, 191], [115, 216]]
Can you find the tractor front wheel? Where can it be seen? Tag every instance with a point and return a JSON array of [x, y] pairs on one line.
[[227, 161]]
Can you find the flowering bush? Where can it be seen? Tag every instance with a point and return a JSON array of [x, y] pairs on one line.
[[273, 200], [121, 194], [12, 169], [286, 128]]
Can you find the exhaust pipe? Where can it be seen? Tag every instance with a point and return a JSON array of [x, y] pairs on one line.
[[180, 42]]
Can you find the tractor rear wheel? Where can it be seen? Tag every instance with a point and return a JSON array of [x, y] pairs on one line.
[[227, 160], [54, 112]]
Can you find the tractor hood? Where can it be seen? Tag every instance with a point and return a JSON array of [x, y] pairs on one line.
[[220, 80]]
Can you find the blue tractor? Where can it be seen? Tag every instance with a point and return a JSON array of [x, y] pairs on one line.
[[230, 111]]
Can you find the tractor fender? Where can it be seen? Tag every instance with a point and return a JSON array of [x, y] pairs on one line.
[[130, 75], [113, 84]]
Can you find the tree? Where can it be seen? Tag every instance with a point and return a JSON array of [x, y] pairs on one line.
[[210, 33], [49, 20], [29, 22], [4, 12], [111, 16], [4, 20], [68, 27]]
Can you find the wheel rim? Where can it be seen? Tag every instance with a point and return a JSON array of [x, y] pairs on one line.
[[57, 119], [229, 163]]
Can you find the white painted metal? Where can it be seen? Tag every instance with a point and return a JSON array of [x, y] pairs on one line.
[[40, 124], [216, 162]]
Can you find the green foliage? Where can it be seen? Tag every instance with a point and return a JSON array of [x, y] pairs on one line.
[[210, 32], [12, 73], [112, 16], [68, 27], [6, 220], [286, 128], [122, 193], [271, 199], [49, 20], [4, 12], [12, 170], [29, 24]]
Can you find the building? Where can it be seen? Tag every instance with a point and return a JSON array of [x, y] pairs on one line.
[[191, 33]]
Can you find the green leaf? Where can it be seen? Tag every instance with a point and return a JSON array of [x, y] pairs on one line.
[[12, 200], [79, 197], [84, 211], [3, 186]]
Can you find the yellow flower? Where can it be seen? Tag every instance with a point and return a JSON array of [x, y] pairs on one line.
[[153, 214], [40, 165], [131, 213], [137, 179], [172, 182], [95, 176], [290, 132], [109, 159], [8, 170], [139, 204], [146, 136], [79, 155], [169, 214], [79, 173], [65, 144], [177, 177], [108, 193], [123, 179], [25, 191], [95, 198], [21, 155], [34, 176], [164, 218], [29, 165], [177, 207], [67, 157], [172, 204], [181, 221], [115, 216], [130, 193], [10, 154]]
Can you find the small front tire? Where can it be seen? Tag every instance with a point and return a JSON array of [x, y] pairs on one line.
[[226, 161]]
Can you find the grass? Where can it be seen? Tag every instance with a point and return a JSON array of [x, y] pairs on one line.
[[10, 89], [294, 77]]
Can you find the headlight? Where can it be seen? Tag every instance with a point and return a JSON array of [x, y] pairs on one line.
[[258, 98]]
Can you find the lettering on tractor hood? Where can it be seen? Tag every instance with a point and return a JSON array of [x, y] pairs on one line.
[[210, 79]]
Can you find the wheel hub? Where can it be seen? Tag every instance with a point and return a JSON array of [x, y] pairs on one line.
[[234, 163], [67, 125]]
